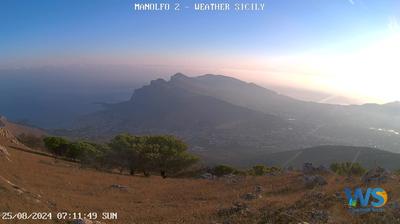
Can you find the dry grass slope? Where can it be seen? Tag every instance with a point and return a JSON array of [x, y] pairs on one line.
[[32, 182]]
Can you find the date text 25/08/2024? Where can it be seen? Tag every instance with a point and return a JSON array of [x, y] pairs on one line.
[[199, 6]]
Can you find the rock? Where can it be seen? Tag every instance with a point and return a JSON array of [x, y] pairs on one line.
[[229, 176], [323, 169], [117, 186], [4, 133], [312, 181], [207, 176], [4, 153], [377, 174], [258, 189], [308, 168], [250, 196]]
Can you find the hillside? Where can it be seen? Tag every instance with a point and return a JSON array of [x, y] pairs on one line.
[[31, 182], [326, 155], [18, 129]]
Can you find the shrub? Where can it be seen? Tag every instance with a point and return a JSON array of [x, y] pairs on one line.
[[222, 170], [348, 168], [58, 146], [259, 170]]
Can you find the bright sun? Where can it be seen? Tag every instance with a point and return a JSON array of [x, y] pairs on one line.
[[371, 73]]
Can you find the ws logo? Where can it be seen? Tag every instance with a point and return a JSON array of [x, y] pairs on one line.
[[379, 195]]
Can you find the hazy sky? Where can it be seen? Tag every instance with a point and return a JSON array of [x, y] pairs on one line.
[[345, 47]]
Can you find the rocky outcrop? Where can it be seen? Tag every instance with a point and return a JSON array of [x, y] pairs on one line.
[[377, 174], [312, 181], [308, 168], [7, 136], [4, 153]]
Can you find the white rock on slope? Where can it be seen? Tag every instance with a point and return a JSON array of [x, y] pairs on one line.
[[4, 153]]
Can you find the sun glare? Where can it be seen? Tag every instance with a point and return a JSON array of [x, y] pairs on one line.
[[371, 74]]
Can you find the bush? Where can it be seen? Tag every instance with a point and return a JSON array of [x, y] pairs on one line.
[[259, 170], [58, 146], [222, 170], [348, 168]]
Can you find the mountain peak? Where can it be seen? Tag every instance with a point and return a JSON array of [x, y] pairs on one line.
[[179, 76], [219, 77]]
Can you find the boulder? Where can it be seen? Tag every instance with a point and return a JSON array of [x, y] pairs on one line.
[[312, 181], [308, 168], [207, 176]]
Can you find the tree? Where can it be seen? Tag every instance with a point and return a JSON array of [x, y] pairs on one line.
[[84, 151], [165, 154], [56, 145], [124, 153]]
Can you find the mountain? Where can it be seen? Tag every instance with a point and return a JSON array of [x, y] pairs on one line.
[[252, 96], [215, 129], [369, 125], [227, 120], [326, 155]]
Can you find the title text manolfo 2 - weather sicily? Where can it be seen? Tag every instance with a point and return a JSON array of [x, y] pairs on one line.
[[238, 6]]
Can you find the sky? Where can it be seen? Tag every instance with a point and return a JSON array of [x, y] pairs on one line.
[[342, 47]]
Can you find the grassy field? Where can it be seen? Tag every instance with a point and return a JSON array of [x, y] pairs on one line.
[[31, 183]]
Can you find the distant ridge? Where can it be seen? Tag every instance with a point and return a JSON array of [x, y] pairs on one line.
[[328, 154]]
